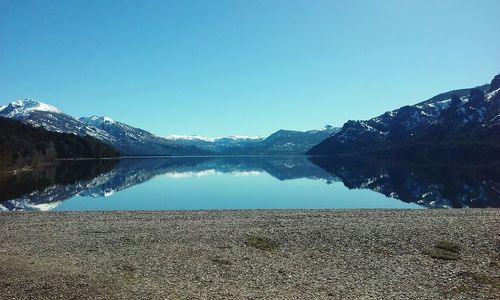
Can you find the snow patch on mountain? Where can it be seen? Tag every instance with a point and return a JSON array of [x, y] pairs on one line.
[[25, 107], [177, 137], [189, 174], [492, 94], [97, 120], [241, 137]]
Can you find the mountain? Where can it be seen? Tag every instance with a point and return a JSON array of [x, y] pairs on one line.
[[280, 142], [22, 145], [461, 124], [126, 139], [224, 145], [294, 142], [40, 114], [133, 141]]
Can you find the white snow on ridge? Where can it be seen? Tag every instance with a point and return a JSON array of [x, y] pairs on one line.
[[492, 94], [187, 174], [189, 138], [108, 120], [240, 137], [28, 105], [246, 173], [202, 173], [46, 206], [176, 137], [326, 127], [25, 203], [97, 120], [436, 105]]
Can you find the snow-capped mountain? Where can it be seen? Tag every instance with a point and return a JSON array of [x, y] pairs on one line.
[[132, 141], [280, 142], [444, 126], [135, 141], [27, 106], [200, 138], [126, 139], [40, 114], [232, 143]]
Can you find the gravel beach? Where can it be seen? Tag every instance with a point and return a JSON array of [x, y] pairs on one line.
[[251, 254]]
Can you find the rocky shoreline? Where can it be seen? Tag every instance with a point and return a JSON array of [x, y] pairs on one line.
[[251, 254]]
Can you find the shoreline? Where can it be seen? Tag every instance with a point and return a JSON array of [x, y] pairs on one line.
[[242, 254], [27, 169]]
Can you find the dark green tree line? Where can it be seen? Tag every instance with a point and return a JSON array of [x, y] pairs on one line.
[[24, 145]]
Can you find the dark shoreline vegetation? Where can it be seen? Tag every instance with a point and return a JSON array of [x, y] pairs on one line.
[[25, 146]]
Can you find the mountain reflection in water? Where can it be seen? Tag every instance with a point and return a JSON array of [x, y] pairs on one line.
[[426, 185]]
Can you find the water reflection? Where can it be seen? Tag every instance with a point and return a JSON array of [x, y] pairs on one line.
[[426, 185], [44, 188]]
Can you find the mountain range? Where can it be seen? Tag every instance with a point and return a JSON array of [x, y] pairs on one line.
[[280, 142], [132, 141], [461, 124], [128, 140]]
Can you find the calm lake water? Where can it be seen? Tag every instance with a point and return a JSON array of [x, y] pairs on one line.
[[246, 183]]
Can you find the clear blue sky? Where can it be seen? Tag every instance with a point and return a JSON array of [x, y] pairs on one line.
[[243, 67]]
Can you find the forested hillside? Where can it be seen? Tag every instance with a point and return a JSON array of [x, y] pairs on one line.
[[23, 145]]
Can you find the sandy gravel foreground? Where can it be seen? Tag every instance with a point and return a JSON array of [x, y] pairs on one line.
[[264, 254]]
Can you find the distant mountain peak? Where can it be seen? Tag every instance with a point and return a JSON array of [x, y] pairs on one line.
[[193, 137], [241, 137], [26, 106], [178, 137], [97, 120], [495, 84]]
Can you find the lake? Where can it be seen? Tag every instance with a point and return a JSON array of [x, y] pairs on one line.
[[246, 182]]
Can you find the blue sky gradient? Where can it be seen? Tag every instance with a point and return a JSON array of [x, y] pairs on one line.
[[243, 67]]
